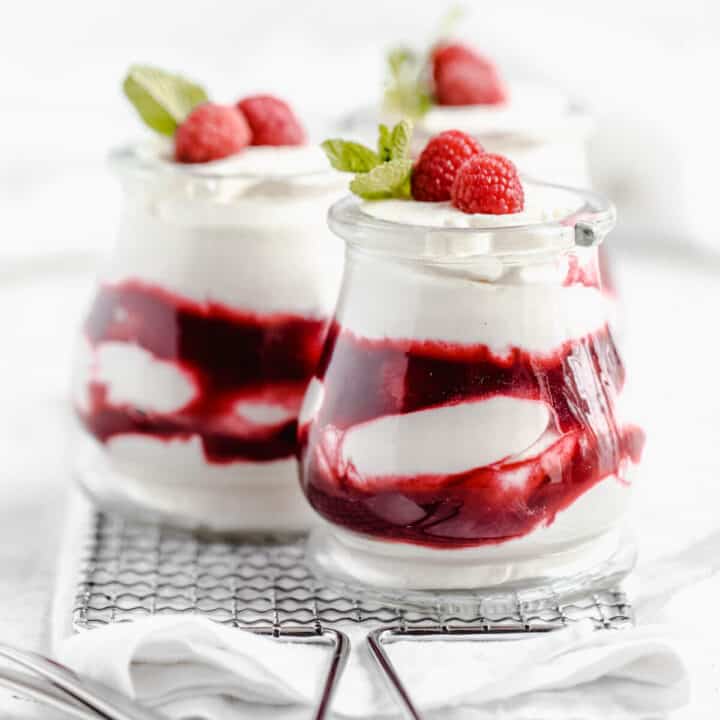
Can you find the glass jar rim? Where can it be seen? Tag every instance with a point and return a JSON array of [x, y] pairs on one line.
[[574, 121], [127, 158], [586, 226]]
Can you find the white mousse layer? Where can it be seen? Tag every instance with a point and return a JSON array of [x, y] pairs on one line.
[[255, 242], [445, 440], [165, 388], [397, 300], [173, 480], [480, 298]]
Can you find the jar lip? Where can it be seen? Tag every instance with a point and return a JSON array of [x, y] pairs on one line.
[[586, 225], [130, 158], [575, 120]]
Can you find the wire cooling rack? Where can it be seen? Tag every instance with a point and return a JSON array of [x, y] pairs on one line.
[[132, 570]]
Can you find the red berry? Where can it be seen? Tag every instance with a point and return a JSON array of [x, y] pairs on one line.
[[272, 121], [211, 132], [488, 184], [438, 164], [463, 77]]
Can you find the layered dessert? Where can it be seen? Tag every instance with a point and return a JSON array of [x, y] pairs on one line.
[[452, 85], [209, 320], [464, 426]]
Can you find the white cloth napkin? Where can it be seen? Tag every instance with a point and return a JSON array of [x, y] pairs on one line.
[[189, 666]]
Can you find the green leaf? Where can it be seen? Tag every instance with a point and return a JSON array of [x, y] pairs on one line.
[[399, 59], [163, 100], [407, 90], [385, 146], [348, 156], [449, 23], [400, 140], [394, 144], [389, 180]]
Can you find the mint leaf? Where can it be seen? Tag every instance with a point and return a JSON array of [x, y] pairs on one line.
[[400, 141], [384, 143], [449, 23], [394, 144], [407, 90], [163, 100], [389, 180], [348, 156]]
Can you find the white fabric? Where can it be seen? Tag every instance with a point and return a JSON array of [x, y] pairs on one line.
[[573, 673], [165, 661]]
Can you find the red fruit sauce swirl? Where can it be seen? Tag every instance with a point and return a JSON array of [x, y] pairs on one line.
[[230, 357], [368, 379]]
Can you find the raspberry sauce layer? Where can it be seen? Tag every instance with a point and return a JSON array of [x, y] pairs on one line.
[[233, 360], [364, 381]]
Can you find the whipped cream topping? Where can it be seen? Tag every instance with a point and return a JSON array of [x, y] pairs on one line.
[[533, 111], [246, 189], [264, 161], [543, 204]]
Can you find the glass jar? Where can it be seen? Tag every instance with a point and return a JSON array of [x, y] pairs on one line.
[[206, 326], [464, 427], [541, 130], [551, 146]]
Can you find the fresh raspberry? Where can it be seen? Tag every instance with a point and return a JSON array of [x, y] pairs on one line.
[[463, 77], [211, 132], [271, 120], [438, 164], [488, 184]]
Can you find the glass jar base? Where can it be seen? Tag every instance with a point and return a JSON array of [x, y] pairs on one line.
[[411, 576], [268, 500]]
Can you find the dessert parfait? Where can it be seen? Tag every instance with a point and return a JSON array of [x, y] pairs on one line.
[[210, 314], [451, 84], [464, 427], [537, 126]]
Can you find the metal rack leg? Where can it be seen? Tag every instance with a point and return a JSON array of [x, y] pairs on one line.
[[341, 650], [377, 639]]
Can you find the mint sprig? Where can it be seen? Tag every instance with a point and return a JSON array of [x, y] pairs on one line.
[[163, 100], [378, 175], [408, 84], [407, 90], [448, 25]]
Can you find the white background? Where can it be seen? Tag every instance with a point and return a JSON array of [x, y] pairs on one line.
[[647, 68]]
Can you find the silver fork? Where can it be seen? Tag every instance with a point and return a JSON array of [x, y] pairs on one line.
[[45, 693], [65, 689], [86, 698]]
